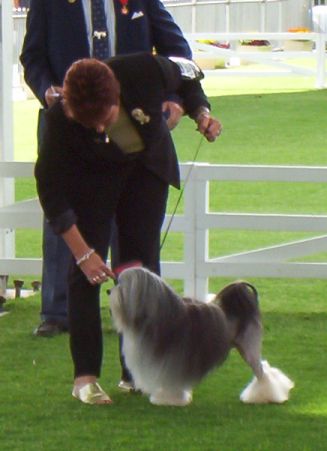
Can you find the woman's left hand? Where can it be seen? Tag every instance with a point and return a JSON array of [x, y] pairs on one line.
[[174, 111], [96, 270], [88, 260], [208, 126]]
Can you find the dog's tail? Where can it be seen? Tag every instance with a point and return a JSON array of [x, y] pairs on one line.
[[239, 302]]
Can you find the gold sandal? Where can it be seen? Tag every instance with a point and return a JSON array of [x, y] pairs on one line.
[[126, 386], [91, 393]]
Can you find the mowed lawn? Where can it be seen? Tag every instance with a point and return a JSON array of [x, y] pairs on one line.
[[266, 121]]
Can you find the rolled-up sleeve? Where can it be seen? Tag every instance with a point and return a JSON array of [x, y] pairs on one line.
[[63, 222], [52, 174]]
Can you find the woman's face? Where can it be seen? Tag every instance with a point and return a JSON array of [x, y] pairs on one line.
[[109, 118]]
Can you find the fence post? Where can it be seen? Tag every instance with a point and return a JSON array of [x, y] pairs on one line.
[[189, 233], [319, 16], [201, 200], [7, 237], [321, 58]]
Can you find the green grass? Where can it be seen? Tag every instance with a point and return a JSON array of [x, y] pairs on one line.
[[37, 412], [266, 121]]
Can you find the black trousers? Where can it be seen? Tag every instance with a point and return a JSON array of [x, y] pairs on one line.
[[137, 199]]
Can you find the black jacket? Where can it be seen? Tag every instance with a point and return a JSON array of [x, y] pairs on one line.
[[69, 151]]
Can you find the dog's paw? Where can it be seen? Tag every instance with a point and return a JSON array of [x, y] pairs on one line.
[[171, 398], [273, 387]]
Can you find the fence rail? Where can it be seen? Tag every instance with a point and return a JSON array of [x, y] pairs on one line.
[[280, 62], [195, 223]]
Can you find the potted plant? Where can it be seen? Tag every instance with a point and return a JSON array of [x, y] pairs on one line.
[[206, 62], [298, 44], [254, 45]]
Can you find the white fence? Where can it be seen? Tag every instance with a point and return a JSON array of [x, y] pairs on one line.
[[281, 62], [196, 16], [278, 57], [196, 267], [196, 222]]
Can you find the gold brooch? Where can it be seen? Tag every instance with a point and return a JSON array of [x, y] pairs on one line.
[[139, 116]]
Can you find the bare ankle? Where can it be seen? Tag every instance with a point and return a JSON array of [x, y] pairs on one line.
[[83, 380]]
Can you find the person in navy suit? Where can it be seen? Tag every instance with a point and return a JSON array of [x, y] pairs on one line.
[[107, 151], [58, 33]]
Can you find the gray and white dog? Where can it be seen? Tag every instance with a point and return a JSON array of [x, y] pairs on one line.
[[170, 343]]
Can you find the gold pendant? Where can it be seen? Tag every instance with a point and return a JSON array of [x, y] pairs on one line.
[[124, 10]]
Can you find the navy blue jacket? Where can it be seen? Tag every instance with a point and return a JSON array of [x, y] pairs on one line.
[[56, 36]]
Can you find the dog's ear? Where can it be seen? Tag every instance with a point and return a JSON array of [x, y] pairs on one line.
[[248, 343], [117, 309]]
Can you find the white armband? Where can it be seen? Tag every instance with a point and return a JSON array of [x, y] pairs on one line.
[[188, 68]]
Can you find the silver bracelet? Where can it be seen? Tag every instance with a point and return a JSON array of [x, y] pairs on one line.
[[201, 111], [85, 257]]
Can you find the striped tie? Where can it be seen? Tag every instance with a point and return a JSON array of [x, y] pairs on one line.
[[100, 33]]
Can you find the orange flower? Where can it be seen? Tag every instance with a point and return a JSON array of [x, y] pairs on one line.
[[299, 30]]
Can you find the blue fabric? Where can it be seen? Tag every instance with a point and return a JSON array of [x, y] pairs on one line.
[[54, 277], [99, 31]]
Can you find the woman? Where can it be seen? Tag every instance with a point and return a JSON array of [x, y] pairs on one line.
[[108, 151]]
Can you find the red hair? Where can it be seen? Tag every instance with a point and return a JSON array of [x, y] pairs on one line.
[[90, 89]]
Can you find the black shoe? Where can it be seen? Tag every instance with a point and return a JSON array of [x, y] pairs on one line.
[[50, 329]]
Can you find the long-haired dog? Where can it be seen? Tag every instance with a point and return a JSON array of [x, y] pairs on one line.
[[170, 343]]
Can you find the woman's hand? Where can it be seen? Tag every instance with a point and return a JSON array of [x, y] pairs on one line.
[[208, 126], [174, 111], [52, 94], [92, 265], [95, 270]]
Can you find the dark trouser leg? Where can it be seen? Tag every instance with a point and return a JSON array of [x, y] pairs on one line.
[[114, 246], [56, 260], [140, 216], [125, 373], [84, 325], [84, 305], [115, 261]]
